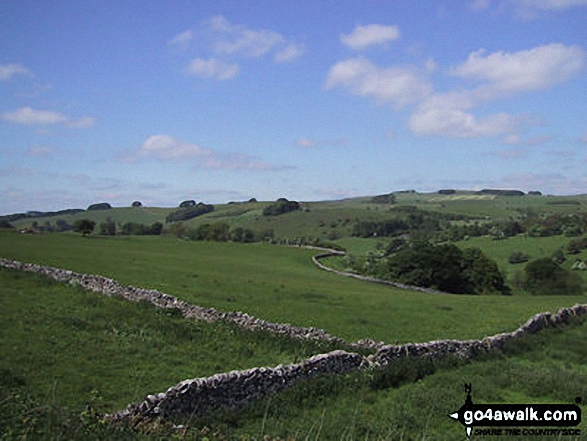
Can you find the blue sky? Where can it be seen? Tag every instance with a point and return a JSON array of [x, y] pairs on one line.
[[163, 101]]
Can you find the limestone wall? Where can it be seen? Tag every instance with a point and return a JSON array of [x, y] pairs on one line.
[[111, 287], [330, 253], [470, 348], [237, 388]]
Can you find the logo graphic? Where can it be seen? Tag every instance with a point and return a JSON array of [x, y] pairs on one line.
[[472, 415]]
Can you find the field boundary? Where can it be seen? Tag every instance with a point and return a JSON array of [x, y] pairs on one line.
[[332, 253], [235, 389]]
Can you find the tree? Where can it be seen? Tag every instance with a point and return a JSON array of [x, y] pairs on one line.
[[281, 206], [518, 257], [5, 224], [84, 226], [189, 203], [156, 228], [384, 199], [108, 228], [137, 204], [100, 206], [546, 277]]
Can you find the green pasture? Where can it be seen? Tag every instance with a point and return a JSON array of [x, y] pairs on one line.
[[279, 284], [121, 215], [74, 347], [535, 247], [63, 348], [412, 400]]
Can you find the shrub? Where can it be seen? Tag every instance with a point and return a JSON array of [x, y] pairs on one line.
[[518, 257], [546, 277], [281, 206], [84, 226], [100, 206], [384, 199], [189, 212], [189, 203]]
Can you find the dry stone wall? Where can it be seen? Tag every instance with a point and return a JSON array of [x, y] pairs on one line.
[[237, 388], [112, 288], [470, 348], [330, 253]]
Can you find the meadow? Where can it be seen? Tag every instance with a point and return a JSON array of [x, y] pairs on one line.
[[280, 284], [67, 354], [63, 349]]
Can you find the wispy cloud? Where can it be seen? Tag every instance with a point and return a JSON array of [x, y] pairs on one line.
[[30, 116], [498, 75], [167, 148], [182, 38], [213, 68], [365, 36], [528, 9], [510, 154], [228, 43], [289, 53], [516, 139], [310, 143], [397, 85], [8, 71], [533, 69], [40, 151]]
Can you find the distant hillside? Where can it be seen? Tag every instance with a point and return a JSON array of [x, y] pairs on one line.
[[327, 220]]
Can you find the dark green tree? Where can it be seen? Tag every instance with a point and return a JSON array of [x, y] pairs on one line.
[[108, 228], [546, 277], [84, 226]]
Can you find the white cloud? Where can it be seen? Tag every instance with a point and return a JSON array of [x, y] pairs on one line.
[[516, 139], [82, 123], [533, 69], [213, 68], [397, 85], [289, 53], [369, 35], [167, 148], [241, 40], [30, 116], [306, 143], [498, 75], [527, 9], [8, 71], [460, 124], [182, 38], [510, 154], [310, 143]]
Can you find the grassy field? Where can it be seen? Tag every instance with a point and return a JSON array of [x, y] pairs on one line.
[[412, 401], [74, 347], [280, 284], [63, 349], [535, 247]]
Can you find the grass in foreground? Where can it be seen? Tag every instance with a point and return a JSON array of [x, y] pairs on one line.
[[280, 284], [73, 347], [412, 399]]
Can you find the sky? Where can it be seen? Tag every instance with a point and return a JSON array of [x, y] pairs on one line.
[[218, 101]]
